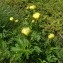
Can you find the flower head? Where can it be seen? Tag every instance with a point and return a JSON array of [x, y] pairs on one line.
[[32, 7], [51, 36], [11, 18], [26, 31], [36, 15], [16, 20]]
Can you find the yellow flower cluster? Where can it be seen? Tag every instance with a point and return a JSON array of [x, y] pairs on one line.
[[12, 19], [36, 15], [26, 30]]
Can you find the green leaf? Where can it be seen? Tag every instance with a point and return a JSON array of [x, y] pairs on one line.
[[37, 49]]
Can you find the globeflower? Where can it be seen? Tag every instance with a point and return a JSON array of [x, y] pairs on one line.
[[33, 21], [51, 36], [11, 18], [16, 20], [32, 7], [36, 15], [26, 31]]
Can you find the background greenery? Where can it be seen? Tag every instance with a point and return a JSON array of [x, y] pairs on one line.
[[35, 48]]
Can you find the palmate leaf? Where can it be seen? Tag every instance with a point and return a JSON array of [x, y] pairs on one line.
[[15, 49], [37, 49], [22, 47], [35, 36], [51, 58], [23, 43]]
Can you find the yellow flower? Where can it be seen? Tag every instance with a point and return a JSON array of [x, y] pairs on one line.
[[51, 36], [26, 31], [33, 21], [36, 15], [16, 20], [32, 7], [11, 18]]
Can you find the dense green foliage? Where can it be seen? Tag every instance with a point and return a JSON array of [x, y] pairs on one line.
[[15, 47]]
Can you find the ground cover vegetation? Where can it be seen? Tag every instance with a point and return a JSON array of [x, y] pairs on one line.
[[31, 31]]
